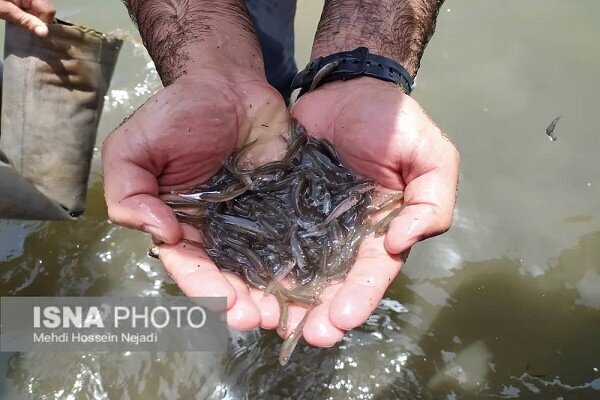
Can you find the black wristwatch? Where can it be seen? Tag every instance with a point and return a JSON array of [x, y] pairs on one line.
[[348, 65]]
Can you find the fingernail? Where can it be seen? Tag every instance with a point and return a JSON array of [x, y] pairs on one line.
[[41, 30]]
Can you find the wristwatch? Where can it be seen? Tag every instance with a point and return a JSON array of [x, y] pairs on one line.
[[348, 65]]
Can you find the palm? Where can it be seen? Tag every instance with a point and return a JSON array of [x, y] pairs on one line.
[[202, 128], [178, 139], [381, 134], [372, 126]]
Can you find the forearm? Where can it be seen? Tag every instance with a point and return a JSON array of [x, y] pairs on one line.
[[187, 36], [396, 29]]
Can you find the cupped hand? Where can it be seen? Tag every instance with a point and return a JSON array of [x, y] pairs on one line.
[[178, 139], [382, 134], [32, 15]]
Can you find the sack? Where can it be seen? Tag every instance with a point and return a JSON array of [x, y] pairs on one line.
[[52, 96]]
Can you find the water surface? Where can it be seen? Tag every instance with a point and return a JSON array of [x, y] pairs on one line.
[[504, 305]]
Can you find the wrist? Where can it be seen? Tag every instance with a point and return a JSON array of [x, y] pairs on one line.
[[222, 56], [223, 52], [258, 108], [353, 88], [395, 29], [235, 78], [183, 36]]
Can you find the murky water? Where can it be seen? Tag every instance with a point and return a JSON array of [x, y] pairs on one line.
[[505, 305]]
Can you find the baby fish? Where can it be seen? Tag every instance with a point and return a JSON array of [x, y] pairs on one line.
[[343, 207], [288, 227], [217, 197], [391, 200], [297, 250], [381, 227], [550, 129], [288, 346]]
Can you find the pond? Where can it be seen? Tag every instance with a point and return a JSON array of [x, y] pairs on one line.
[[504, 305]]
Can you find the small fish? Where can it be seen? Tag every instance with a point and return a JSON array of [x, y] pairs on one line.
[[342, 207], [290, 343], [241, 225], [322, 73], [392, 200], [283, 315], [230, 193], [297, 250], [295, 146], [271, 168], [328, 146], [550, 129], [381, 227], [234, 159], [299, 220], [297, 194], [310, 299]]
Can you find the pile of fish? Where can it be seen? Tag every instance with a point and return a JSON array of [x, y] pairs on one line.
[[289, 227]]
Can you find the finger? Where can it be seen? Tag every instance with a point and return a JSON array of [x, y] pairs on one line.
[[365, 284], [269, 308], [131, 194], [10, 12], [195, 274], [244, 314], [295, 314], [319, 331], [429, 201], [43, 10]]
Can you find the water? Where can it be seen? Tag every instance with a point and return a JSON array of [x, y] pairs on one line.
[[504, 305]]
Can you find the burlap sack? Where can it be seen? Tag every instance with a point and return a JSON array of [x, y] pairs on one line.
[[52, 96]]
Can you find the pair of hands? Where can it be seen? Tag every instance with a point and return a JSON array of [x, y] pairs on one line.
[[32, 15], [180, 137]]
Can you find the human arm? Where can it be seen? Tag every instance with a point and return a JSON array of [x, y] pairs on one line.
[[215, 98], [381, 133], [32, 15]]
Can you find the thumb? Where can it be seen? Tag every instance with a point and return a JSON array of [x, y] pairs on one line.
[[44, 10], [10, 12], [131, 193], [143, 212]]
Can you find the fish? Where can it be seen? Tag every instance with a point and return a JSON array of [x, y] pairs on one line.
[[550, 129], [289, 344], [229, 193], [288, 227], [322, 73]]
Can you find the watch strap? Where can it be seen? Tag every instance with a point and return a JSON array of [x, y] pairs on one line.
[[351, 64]]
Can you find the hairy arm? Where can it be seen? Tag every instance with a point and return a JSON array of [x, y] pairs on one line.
[[183, 36], [396, 29]]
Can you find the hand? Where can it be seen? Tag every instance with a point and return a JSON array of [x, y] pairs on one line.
[[178, 139], [32, 15], [382, 134]]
